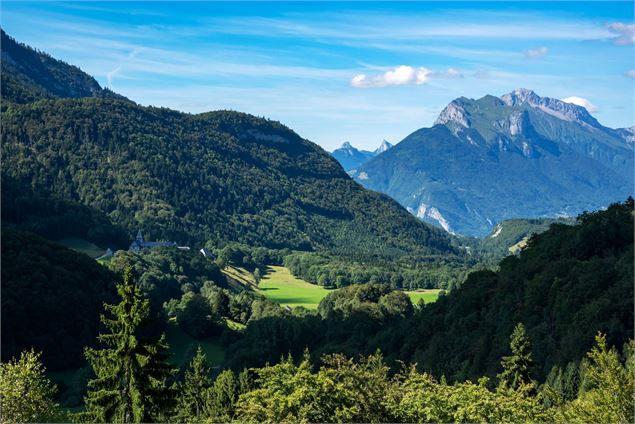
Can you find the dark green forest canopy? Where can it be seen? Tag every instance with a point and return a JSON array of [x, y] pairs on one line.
[[218, 176], [51, 298], [568, 284]]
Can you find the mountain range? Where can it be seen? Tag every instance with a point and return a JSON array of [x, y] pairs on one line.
[[213, 177], [351, 158], [498, 158]]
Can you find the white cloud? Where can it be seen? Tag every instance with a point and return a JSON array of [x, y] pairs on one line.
[[112, 74], [624, 33], [630, 74], [536, 53], [402, 75], [581, 102]]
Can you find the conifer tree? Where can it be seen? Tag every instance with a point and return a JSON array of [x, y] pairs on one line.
[[223, 396], [193, 392], [516, 367], [131, 370]]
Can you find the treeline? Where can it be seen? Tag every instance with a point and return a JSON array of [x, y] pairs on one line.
[[133, 382], [408, 273]]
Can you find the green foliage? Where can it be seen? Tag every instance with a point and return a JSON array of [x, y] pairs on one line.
[[408, 272], [132, 370], [193, 392], [611, 397], [197, 318], [165, 273], [377, 300], [26, 394], [51, 297], [508, 235], [222, 397], [567, 284], [220, 177], [570, 280], [56, 218], [516, 367]]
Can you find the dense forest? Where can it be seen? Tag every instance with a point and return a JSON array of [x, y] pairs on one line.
[[132, 381], [51, 298], [567, 284]]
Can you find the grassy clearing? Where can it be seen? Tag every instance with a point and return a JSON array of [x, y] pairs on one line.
[[183, 347], [428, 296], [282, 287], [82, 246], [519, 246]]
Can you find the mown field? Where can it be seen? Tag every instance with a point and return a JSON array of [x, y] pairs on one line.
[[282, 287]]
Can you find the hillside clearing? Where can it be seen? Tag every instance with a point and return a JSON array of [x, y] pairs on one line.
[[82, 246], [282, 287]]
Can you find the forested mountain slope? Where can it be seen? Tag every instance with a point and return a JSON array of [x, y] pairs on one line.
[[216, 176], [497, 158], [29, 75], [569, 283]]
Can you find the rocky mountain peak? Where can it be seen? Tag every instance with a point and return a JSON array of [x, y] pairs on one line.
[[385, 145], [455, 113]]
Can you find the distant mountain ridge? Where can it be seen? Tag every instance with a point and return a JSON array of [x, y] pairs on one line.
[[351, 158], [499, 158]]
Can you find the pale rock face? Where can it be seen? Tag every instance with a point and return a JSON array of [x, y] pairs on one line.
[[427, 211], [516, 123], [362, 176], [453, 113], [555, 107], [628, 134]]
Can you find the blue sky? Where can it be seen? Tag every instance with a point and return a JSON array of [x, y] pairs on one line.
[[335, 72]]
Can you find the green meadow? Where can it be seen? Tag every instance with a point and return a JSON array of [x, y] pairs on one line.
[[282, 287], [428, 296]]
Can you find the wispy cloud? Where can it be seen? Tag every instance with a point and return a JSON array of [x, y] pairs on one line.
[[630, 74], [111, 75], [536, 53], [622, 33], [402, 75], [581, 101]]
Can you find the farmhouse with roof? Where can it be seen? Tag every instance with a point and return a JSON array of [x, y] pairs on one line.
[[139, 243]]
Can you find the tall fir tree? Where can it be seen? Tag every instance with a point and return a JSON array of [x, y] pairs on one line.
[[132, 372], [516, 367], [194, 390]]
